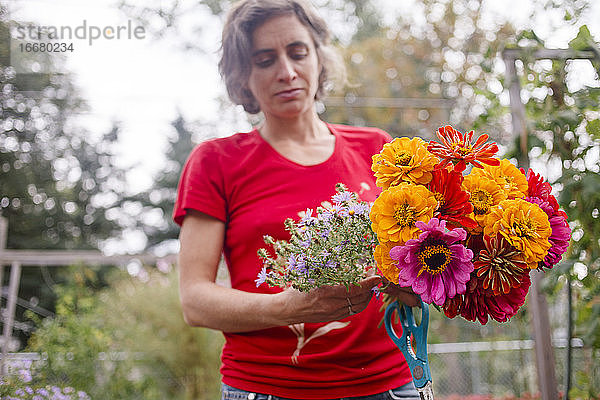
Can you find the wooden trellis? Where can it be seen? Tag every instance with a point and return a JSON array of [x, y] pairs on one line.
[[537, 301]]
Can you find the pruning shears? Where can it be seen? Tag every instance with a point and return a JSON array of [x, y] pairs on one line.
[[417, 362]]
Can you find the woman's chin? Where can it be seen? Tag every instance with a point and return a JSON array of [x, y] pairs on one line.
[[291, 110]]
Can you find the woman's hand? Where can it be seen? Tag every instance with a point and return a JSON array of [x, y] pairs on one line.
[[404, 294], [327, 303]]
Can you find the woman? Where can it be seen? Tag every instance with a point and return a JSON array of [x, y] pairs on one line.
[[324, 344]]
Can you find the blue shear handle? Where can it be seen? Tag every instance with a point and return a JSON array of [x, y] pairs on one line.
[[418, 364]]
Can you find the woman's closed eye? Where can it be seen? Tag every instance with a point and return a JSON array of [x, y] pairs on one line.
[[264, 60], [297, 52]]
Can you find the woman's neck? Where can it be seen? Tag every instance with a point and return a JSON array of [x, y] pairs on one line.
[[303, 141], [300, 130]]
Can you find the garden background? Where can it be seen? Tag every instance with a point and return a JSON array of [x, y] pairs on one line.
[[115, 330]]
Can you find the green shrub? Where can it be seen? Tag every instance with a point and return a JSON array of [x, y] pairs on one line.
[[127, 341]]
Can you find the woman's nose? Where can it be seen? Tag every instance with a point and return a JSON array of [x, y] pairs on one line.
[[287, 71]]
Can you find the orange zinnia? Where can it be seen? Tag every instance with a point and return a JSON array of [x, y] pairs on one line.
[[507, 176], [403, 160], [485, 193], [456, 148], [525, 227], [396, 210], [500, 266], [385, 264]]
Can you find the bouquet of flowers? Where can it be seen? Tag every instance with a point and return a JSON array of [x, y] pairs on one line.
[[333, 247], [465, 242]]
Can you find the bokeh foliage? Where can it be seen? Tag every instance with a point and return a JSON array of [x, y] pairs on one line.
[[127, 341], [60, 186]]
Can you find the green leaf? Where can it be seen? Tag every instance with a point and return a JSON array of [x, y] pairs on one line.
[[568, 16], [583, 40], [593, 128]]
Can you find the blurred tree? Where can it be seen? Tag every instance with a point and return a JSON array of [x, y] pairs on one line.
[[58, 182], [356, 19], [157, 202], [59, 186], [445, 51], [155, 205]]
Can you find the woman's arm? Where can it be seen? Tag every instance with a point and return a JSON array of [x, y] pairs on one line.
[[230, 310]]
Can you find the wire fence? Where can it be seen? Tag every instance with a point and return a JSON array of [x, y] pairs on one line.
[[501, 369]]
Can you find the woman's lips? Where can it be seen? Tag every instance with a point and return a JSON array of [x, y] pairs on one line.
[[289, 94]]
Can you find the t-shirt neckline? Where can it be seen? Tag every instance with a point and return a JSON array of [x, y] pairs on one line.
[[281, 156]]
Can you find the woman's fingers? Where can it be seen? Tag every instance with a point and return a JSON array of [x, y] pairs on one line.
[[404, 294], [329, 303]]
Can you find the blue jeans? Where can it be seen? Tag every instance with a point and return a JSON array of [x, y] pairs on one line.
[[406, 392]]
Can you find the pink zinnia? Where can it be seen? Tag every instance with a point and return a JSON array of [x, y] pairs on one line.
[[435, 265], [559, 241], [539, 193]]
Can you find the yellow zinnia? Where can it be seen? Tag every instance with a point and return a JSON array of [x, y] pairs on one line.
[[524, 225], [385, 264], [403, 160], [485, 193], [510, 179], [396, 210]]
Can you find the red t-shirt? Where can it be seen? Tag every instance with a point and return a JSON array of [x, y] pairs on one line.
[[244, 182]]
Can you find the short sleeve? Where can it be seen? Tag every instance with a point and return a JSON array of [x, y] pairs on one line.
[[386, 137], [201, 185]]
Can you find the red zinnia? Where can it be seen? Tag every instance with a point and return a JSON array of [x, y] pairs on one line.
[[457, 148], [500, 266], [536, 187], [479, 304], [453, 202]]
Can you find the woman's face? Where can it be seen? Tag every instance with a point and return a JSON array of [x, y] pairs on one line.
[[285, 68]]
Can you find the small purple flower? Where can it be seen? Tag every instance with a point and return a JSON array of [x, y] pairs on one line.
[[25, 375], [342, 197], [262, 276], [307, 219], [436, 265], [43, 392], [295, 262], [20, 392], [325, 233], [337, 210], [324, 216], [359, 209], [29, 390], [376, 291]]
